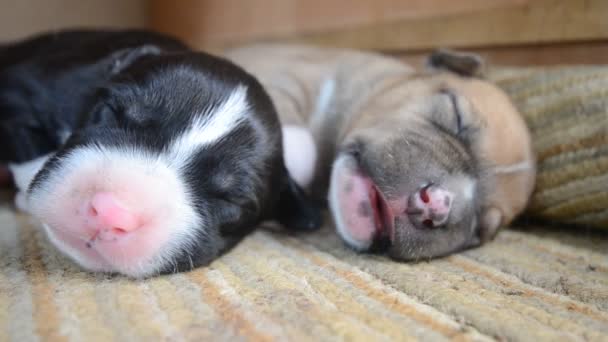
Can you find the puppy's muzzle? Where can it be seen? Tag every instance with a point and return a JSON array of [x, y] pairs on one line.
[[430, 206]]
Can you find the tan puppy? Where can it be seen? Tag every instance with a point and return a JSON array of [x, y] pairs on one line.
[[418, 163]]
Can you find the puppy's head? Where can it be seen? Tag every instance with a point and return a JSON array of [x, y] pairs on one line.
[[434, 165], [178, 157]]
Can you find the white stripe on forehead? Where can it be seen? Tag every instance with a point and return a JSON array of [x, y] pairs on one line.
[[208, 128]]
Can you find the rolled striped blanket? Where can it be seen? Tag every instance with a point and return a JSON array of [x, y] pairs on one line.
[[566, 109]]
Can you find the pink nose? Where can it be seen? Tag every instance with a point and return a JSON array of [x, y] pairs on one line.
[[431, 205], [108, 216]]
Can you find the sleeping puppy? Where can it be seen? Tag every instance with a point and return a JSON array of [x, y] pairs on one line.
[[418, 163], [138, 155]]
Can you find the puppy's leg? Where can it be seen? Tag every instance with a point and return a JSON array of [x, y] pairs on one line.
[[298, 106], [296, 211], [299, 149], [23, 174]]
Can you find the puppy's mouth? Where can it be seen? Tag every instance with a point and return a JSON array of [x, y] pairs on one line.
[[364, 217], [384, 218]]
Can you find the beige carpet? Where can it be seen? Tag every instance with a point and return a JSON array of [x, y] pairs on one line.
[[527, 285]]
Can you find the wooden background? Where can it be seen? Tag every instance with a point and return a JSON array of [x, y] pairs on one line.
[[20, 18], [518, 32]]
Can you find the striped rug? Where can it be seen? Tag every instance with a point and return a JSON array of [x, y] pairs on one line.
[[532, 284], [566, 109]]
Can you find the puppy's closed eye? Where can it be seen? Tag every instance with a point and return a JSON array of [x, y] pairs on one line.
[[115, 104], [452, 113], [458, 116]]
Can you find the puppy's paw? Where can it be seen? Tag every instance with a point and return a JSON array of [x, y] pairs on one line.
[[296, 211]]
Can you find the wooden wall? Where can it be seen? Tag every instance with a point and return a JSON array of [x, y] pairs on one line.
[[19, 18], [507, 31], [519, 32], [220, 22]]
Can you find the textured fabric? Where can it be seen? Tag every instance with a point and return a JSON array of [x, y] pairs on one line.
[[526, 285], [566, 109]]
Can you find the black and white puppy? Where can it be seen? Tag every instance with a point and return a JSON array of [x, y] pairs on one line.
[[139, 155]]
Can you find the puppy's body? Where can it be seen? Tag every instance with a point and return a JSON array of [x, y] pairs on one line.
[[322, 90], [429, 161], [159, 158]]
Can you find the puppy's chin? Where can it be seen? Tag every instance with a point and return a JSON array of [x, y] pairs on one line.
[[115, 210]]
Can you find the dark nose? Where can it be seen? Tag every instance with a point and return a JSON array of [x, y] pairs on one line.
[[429, 207]]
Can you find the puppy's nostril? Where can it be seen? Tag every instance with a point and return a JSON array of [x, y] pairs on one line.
[[424, 194], [118, 231], [92, 211]]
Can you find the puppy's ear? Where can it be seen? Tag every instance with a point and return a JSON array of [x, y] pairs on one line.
[[461, 63], [100, 112], [490, 223], [296, 211], [121, 59]]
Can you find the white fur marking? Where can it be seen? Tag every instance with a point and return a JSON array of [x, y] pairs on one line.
[[23, 175], [211, 127], [512, 168], [468, 189], [326, 94], [300, 154]]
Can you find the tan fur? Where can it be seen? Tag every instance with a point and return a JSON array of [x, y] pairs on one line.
[[375, 96], [505, 141]]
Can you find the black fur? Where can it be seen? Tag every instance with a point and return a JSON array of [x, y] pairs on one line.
[[140, 89]]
